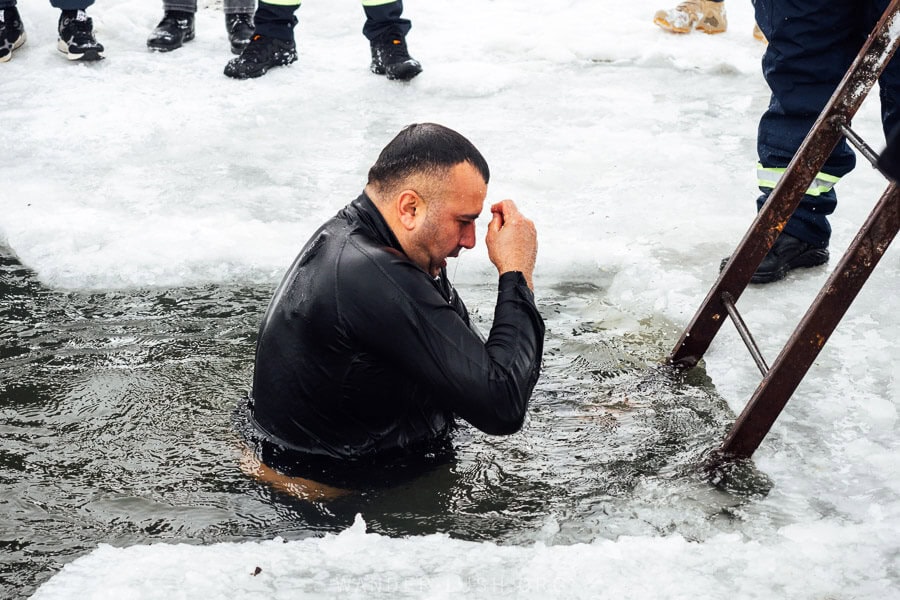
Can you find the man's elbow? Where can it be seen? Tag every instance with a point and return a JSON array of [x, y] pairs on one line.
[[506, 424]]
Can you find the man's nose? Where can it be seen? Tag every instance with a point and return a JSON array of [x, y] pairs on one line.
[[468, 237]]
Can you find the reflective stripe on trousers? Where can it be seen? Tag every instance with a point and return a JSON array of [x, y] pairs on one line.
[[768, 177]]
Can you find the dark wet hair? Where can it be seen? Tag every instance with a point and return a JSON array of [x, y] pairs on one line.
[[426, 148]]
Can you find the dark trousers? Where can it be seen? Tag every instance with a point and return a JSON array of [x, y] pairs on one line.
[[811, 45], [61, 4], [278, 21]]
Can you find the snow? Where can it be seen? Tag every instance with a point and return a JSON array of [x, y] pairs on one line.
[[354, 564], [632, 150]]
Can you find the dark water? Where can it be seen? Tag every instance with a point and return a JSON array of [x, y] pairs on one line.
[[115, 415]]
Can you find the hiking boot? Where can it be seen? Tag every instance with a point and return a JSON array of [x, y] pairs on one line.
[[260, 55], [176, 28], [788, 253], [680, 19], [12, 32], [712, 17], [391, 58], [240, 29], [76, 36]]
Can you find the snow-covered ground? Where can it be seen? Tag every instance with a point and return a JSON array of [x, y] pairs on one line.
[[633, 151]]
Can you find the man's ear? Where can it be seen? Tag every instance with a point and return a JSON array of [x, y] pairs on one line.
[[410, 208]]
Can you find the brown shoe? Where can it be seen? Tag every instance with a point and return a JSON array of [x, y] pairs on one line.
[[713, 17], [680, 19]]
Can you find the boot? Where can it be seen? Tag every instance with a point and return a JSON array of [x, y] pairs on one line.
[[240, 29], [76, 36], [391, 58], [788, 253], [680, 19], [173, 31], [712, 18], [12, 33], [260, 55]]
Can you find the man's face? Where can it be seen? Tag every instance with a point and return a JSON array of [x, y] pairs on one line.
[[449, 223]]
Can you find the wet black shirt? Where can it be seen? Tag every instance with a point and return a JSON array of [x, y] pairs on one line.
[[362, 353]]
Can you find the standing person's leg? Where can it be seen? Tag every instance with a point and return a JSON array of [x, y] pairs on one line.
[[176, 26], [273, 43], [239, 23], [76, 31], [889, 82], [811, 45], [12, 32], [386, 30], [276, 19]]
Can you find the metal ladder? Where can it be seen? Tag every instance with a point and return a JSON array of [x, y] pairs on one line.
[[781, 379]]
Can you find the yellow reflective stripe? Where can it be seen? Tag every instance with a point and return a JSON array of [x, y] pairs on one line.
[[768, 177], [377, 2]]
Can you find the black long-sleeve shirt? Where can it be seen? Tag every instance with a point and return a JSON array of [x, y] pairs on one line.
[[362, 353]]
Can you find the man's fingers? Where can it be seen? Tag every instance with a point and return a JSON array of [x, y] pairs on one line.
[[496, 222], [504, 206]]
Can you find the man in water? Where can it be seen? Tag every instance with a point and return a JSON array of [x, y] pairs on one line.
[[366, 353]]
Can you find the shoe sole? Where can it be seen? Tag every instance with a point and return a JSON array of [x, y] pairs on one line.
[[671, 28], [254, 74], [16, 45], [807, 260], [404, 71], [160, 47], [87, 55]]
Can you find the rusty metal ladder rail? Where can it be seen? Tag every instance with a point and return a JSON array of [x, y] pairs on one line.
[[782, 378]]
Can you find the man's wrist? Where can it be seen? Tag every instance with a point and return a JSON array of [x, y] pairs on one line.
[[517, 278]]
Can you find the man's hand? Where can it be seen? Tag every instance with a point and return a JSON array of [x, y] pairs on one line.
[[511, 240]]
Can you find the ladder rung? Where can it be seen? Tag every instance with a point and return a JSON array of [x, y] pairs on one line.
[[860, 145], [728, 301]]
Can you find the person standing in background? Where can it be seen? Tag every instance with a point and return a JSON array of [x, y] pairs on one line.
[[75, 28], [812, 44], [273, 43], [177, 25]]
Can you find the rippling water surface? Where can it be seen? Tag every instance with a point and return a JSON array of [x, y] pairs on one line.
[[115, 410]]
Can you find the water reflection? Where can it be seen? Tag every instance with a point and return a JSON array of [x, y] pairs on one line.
[[116, 428]]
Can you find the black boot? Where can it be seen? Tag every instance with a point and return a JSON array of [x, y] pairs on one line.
[[240, 30], [12, 33], [788, 253], [260, 55], [76, 36], [176, 28], [391, 58]]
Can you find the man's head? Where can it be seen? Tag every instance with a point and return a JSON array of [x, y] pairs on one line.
[[429, 183]]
